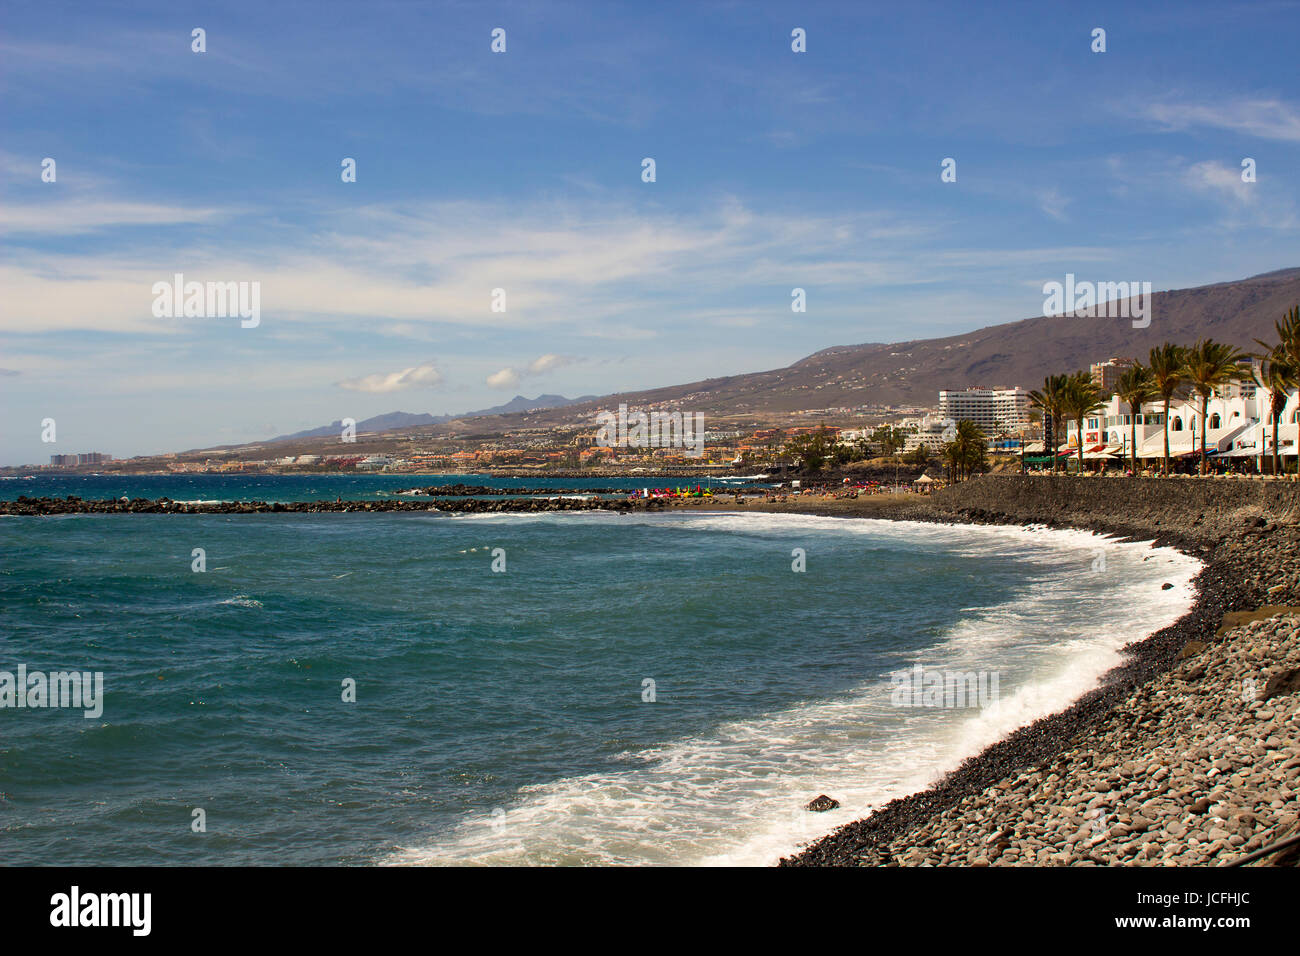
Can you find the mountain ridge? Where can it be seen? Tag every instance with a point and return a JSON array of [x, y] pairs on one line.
[[390, 421], [911, 372]]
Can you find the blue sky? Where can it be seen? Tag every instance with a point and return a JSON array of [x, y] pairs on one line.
[[522, 171]]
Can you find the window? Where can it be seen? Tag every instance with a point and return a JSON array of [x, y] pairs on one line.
[[1214, 421], [1178, 423]]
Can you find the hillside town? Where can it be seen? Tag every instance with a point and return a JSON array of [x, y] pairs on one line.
[[1209, 404]]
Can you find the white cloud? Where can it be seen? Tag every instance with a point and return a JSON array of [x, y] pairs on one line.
[[506, 378], [510, 377], [547, 362], [418, 375]]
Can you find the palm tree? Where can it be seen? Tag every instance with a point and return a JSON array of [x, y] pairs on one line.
[[972, 445], [1135, 387], [1288, 335], [1080, 399], [967, 452], [1167, 374], [1286, 355], [1048, 401], [1276, 373], [1208, 365]]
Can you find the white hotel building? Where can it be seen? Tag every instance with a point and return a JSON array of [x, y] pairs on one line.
[[1238, 428], [995, 410]]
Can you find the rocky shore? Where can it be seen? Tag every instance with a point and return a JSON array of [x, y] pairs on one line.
[[1199, 766], [1170, 760]]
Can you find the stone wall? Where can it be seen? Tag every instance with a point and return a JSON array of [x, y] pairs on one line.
[[1202, 509]]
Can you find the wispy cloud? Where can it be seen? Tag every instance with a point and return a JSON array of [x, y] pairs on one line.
[[70, 217], [571, 265], [1053, 203], [1263, 118], [1220, 180]]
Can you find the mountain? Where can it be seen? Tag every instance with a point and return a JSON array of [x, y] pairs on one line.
[[521, 404], [1013, 353], [395, 420], [377, 424]]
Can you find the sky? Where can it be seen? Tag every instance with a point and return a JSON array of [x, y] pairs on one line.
[[523, 171]]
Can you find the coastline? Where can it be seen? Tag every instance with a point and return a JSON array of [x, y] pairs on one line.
[[1251, 561]]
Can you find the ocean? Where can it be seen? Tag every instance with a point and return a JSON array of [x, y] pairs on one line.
[[642, 689]]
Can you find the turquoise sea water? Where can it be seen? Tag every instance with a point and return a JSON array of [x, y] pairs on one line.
[[503, 717]]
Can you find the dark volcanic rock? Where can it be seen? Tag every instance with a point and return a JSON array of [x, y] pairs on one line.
[[822, 804]]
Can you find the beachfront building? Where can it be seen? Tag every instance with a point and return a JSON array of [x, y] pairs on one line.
[[997, 411], [1238, 427]]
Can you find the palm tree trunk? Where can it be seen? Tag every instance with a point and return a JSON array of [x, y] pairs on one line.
[[1166, 468], [1056, 440], [1078, 422], [1051, 451], [1276, 417], [1133, 436], [1205, 410]]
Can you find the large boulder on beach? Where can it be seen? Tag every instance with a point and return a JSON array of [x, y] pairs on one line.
[[1282, 683], [1237, 618], [822, 804]]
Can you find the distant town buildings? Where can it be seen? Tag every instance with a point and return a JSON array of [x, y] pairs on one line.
[[933, 433], [87, 458], [995, 410]]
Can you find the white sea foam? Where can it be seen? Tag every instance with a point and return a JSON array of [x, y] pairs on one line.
[[735, 795]]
